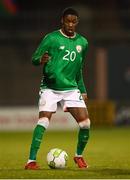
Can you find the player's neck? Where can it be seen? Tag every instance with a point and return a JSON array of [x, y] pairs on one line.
[[71, 36]]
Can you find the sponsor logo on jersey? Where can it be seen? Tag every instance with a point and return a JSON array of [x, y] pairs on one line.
[[78, 48], [62, 47]]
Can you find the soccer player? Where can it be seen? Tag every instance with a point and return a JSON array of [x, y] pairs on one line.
[[62, 54]]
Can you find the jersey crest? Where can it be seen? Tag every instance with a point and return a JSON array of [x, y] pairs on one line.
[[79, 48]]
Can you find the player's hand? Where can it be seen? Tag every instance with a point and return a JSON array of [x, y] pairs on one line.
[[45, 58], [85, 97]]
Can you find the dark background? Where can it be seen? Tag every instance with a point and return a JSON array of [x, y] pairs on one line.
[[106, 24]]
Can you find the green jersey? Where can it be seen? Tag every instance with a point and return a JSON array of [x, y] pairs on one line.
[[63, 71]]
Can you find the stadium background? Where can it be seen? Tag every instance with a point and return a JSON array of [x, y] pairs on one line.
[[107, 70], [106, 24]]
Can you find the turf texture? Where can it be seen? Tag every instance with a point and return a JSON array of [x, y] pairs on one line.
[[108, 154]]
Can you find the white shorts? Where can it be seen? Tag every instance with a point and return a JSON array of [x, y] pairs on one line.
[[49, 98]]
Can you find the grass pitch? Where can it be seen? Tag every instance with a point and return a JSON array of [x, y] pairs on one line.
[[108, 154]]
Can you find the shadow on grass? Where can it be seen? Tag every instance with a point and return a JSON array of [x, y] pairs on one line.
[[112, 171], [98, 171], [103, 170]]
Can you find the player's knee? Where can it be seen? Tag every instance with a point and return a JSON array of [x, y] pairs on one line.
[[44, 121], [85, 124]]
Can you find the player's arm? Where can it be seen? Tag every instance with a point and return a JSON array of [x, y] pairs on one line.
[[81, 86], [41, 56], [79, 77], [80, 82]]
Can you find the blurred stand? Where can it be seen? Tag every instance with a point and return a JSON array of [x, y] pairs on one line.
[[106, 25]]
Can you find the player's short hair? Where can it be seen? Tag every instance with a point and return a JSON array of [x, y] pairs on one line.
[[70, 11]]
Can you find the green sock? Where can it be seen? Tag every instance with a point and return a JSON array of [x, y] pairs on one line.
[[83, 137], [36, 141]]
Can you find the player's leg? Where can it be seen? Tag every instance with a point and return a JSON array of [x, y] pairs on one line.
[[81, 116], [42, 125], [46, 108], [74, 103]]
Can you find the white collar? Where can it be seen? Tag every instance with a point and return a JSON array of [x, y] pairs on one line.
[[66, 35]]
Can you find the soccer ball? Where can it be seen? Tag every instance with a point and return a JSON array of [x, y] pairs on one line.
[[57, 158]]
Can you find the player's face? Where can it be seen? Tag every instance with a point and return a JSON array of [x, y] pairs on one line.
[[69, 23]]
